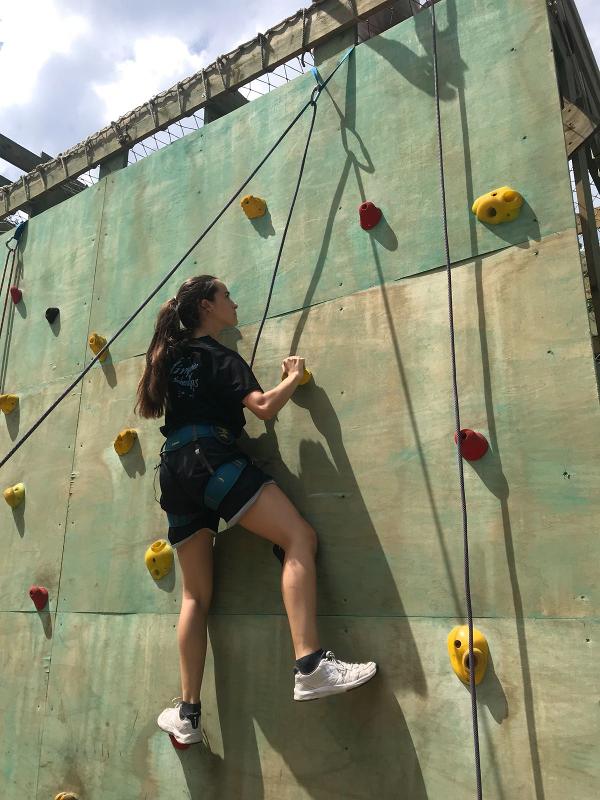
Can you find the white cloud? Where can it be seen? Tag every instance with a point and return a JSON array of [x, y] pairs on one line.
[[31, 32], [589, 11], [157, 63]]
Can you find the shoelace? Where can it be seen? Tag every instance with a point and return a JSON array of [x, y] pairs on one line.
[[330, 656]]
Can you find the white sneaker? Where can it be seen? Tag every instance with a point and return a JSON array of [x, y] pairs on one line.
[[332, 677], [182, 729]]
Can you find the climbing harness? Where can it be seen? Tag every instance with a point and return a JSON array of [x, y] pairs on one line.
[[310, 103], [222, 478], [467, 579]]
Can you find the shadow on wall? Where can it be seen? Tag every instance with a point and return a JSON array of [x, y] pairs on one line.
[[334, 748], [419, 71]]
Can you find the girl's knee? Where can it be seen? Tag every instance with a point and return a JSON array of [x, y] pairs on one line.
[[304, 536], [197, 602]]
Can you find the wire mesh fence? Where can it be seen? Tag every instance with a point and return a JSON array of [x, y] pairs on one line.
[[593, 322], [256, 88]]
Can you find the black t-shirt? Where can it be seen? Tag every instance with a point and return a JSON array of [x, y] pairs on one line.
[[207, 383]]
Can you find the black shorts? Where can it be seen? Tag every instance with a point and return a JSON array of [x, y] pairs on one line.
[[183, 478]]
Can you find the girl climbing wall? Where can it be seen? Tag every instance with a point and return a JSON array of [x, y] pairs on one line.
[[202, 387]]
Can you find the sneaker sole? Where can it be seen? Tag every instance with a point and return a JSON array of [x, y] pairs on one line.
[[316, 694]]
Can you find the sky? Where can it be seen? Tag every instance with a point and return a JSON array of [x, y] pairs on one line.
[[69, 67]]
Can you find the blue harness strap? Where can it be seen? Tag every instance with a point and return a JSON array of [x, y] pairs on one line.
[[222, 481], [189, 433]]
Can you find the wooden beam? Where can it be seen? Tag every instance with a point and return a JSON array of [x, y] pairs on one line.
[[596, 215], [577, 126], [19, 156], [223, 104], [286, 40]]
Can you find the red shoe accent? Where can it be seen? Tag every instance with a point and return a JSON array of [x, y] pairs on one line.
[[177, 745]]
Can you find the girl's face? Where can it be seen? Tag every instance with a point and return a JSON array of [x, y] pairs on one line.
[[221, 309]]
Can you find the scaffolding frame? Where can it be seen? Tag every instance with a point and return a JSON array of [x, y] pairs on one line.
[[579, 86], [214, 90]]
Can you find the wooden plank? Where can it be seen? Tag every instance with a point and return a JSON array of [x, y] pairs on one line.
[[278, 45], [366, 452], [597, 218], [191, 179], [25, 657], [578, 126], [19, 156], [406, 734]]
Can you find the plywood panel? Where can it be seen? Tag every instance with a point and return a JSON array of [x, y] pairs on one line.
[[157, 208], [33, 533], [408, 733], [25, 646], [56, 263], [366, 452], [113, 516]]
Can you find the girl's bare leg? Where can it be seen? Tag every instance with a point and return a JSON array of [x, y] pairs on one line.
[[196, 561], [275, 518]]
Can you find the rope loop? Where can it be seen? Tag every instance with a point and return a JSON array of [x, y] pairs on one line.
[[303, 36]]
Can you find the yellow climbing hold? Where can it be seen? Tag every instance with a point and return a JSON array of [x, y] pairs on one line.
[[499, 205], [458, 649], [159, 559], [96, 343], [305, 378], [253, 206], [14, 495], [66, 796], [125, 441], [8, 402]]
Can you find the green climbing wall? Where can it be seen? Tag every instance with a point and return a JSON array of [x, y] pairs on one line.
[[365, 451]]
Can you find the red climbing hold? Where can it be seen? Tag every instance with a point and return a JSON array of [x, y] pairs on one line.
[[369, 215], [39, 595], [177, 745], [473, 445], [16, 294]]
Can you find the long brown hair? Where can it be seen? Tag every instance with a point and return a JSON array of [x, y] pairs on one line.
[[182, 310]]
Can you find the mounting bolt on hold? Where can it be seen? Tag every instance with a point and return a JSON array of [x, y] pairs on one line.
[[96, 343], [473, 445], [458, 650], [125, 441], [39, 595], [14, 495], [253, 207], [369, 215], [159, 559], [305, 378], [16, 294], [499, 205], [8, 402], [52, 314]]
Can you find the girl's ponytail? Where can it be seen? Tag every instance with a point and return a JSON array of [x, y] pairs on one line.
[[182, 310]]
